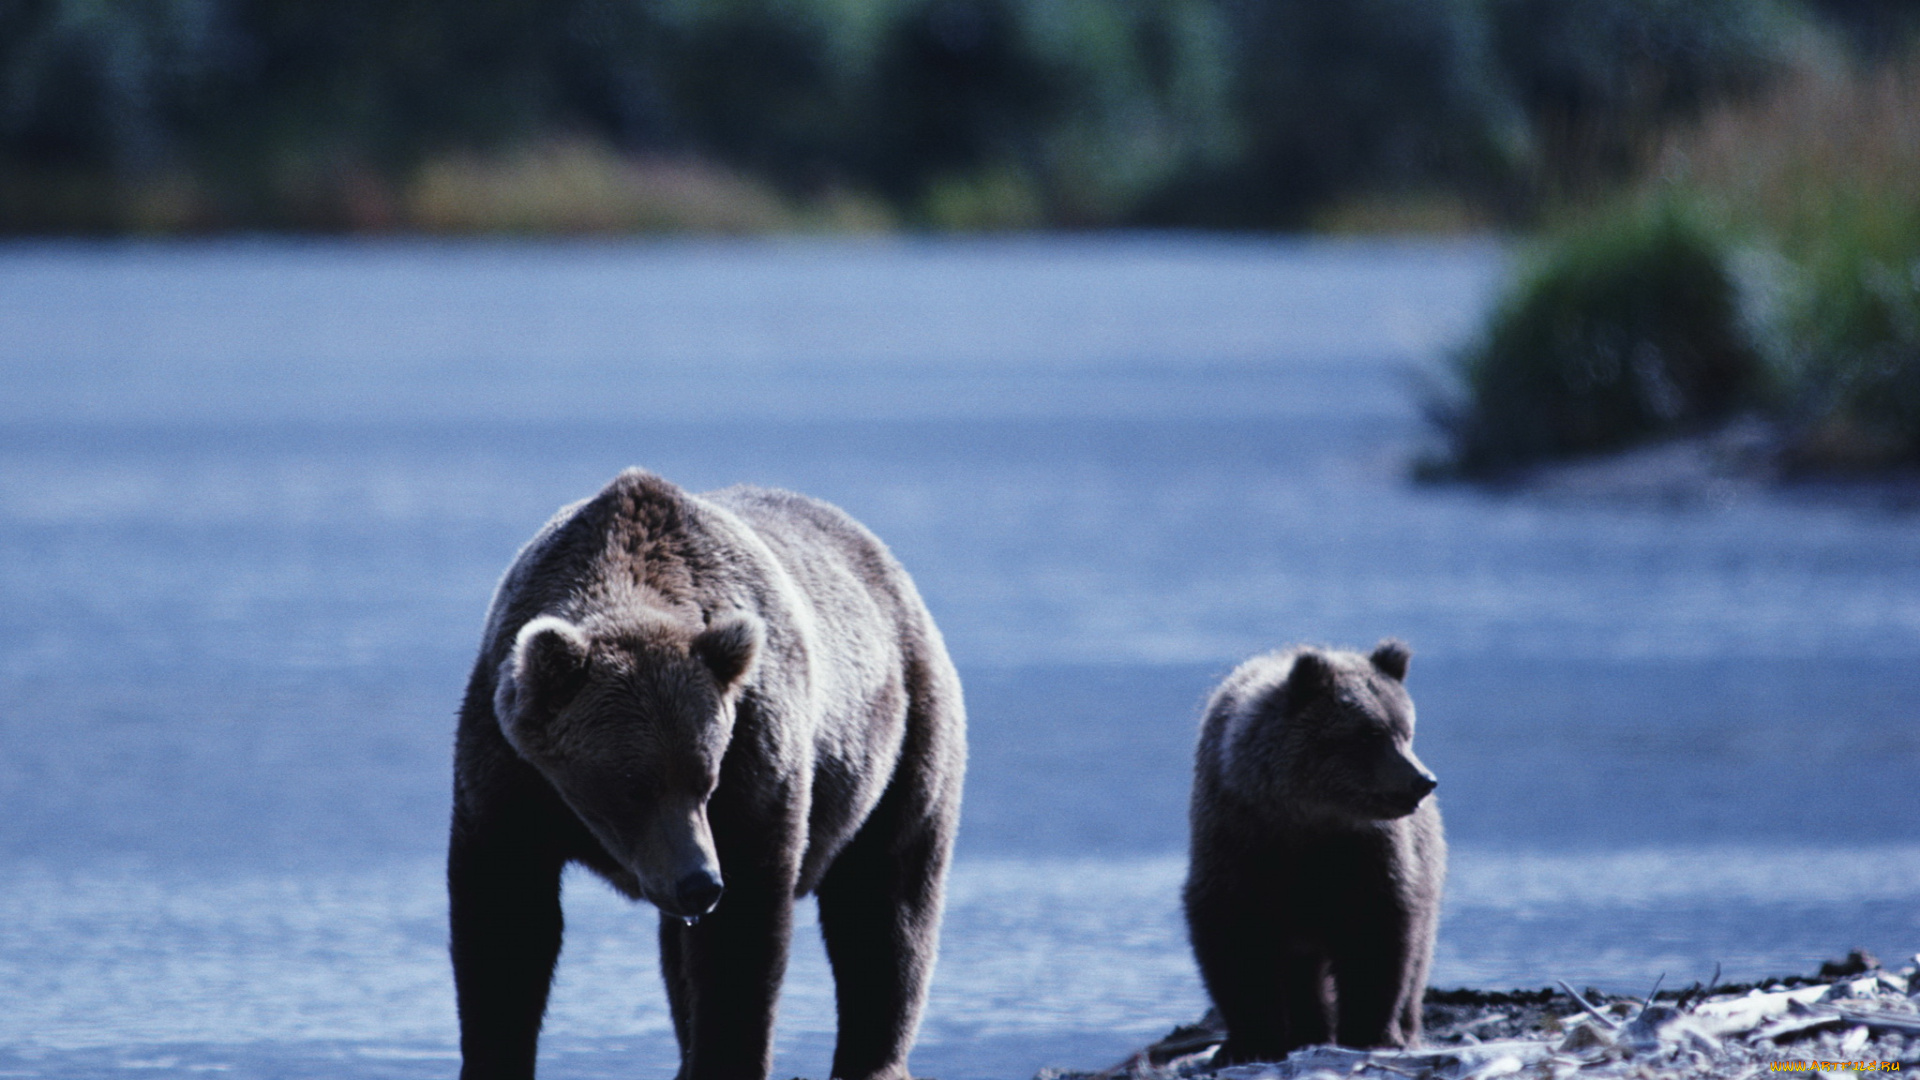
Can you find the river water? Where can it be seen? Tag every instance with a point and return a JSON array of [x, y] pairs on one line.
[[254, 496]]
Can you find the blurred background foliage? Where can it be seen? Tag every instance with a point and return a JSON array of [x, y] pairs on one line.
[[1722, 192], [1779, 226], [1620, 334], [591, 115]]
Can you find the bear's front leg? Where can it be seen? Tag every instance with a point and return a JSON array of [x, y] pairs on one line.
[[1271, 992], [723, 980], [503, 889], [1375, 988], [880, 907]]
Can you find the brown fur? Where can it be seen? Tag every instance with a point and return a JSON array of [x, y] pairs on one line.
[[718, 703], [1317, 858]]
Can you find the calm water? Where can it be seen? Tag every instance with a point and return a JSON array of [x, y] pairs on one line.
[[254, 496]]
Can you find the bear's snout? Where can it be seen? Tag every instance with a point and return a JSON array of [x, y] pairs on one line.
[[1401, 784], [1423, 785], [1417, 787], [697, 893]]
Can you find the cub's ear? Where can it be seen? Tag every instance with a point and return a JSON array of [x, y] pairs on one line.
[[547, 668], [728, 647], [1311, 676], [1391, 657]]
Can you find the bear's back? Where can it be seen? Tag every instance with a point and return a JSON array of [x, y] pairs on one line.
[[836, 561]]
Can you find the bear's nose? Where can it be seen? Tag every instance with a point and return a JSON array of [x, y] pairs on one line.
[[696, 893], [1423, 785]]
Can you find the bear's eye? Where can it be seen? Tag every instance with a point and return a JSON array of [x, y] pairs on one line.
[[1369, 740]]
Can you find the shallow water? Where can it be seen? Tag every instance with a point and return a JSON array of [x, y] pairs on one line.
[[253, 497]]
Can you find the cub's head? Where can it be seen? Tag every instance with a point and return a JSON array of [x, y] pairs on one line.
[[1325, 734], [629, 723]]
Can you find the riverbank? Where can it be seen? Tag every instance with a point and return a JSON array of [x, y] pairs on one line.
[[1853, 1016], [1748, 459]]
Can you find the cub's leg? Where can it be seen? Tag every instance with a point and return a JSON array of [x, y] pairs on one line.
[[1272, 999], [1376, 991], [1413, 997]]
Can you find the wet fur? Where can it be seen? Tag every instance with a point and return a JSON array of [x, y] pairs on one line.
[[1314, 887], [752, 642]]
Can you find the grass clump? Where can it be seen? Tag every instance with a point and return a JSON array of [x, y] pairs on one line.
[[1631, 325], [1825, 173], [1855, 342], [1625, 330], [581, 188]]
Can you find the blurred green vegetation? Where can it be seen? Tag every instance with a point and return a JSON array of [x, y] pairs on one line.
[[1623, 332], [183, 115], [1771, 246], [1725, 188]]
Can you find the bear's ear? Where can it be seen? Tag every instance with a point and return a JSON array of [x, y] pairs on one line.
[[1311, 676], [1391, 657], [728, 646], [549, 666]]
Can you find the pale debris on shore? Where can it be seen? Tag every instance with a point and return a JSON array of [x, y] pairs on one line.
[[1870, 1022]]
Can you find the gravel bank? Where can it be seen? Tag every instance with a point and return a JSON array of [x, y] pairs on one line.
[[1854, 1016]]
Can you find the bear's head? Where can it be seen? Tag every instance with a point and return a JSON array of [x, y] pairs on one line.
[[1330, 734], [629, 723]]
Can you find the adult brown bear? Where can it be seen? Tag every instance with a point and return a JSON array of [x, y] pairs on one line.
[[1317, 858], [719, 703]]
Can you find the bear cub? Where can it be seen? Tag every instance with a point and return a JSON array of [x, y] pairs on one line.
[[1317, 854]]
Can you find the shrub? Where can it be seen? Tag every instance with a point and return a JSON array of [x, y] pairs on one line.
[[1854, 340], [1594, 77], [757, 83], [959, 89], [1823, 171], [98, 85], [1875, 27], [1074, 109], [1627, 329], [1367, 98]]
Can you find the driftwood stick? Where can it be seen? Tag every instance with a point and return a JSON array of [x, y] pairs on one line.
[[1873, 1018], [1799, 1027], [1610, 1022], [1731, 1015], [1698, 992], [1651, 994]]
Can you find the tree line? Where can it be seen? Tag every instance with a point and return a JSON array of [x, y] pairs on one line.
[[1210, 113]]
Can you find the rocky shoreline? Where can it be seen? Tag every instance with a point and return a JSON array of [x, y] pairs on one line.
[[1740, 461], [1854, 1016]]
